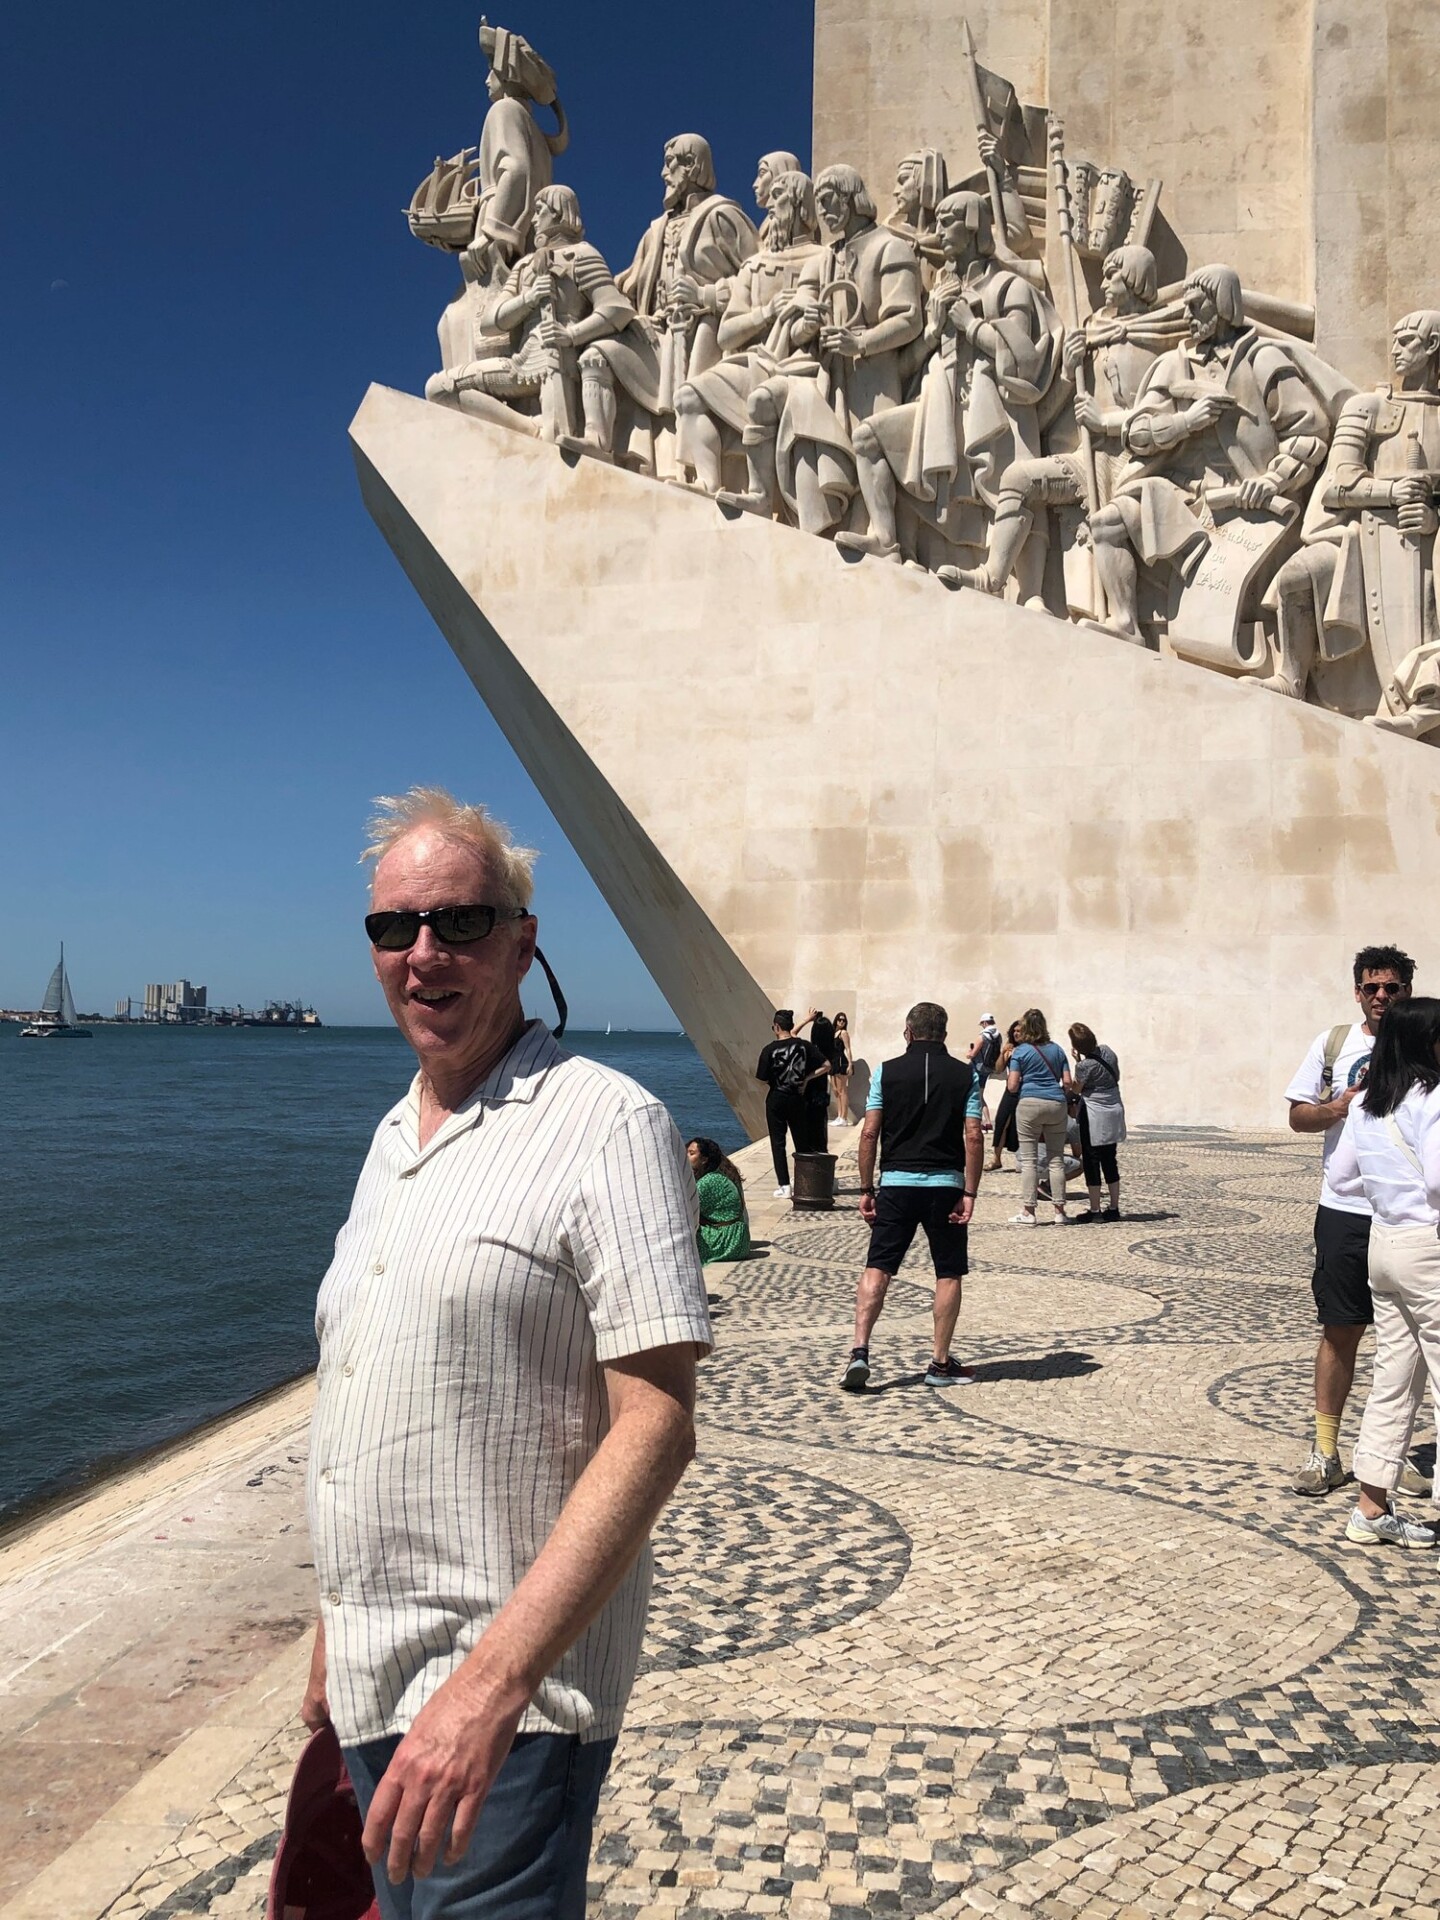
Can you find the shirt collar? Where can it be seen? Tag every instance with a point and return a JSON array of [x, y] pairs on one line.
[[516, 1077]]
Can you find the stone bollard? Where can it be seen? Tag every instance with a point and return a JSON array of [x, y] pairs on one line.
[[813, 1185]]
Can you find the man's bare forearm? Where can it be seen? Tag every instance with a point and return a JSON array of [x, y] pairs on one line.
[[974, 1155], [1317, 1116], [869, 1142]]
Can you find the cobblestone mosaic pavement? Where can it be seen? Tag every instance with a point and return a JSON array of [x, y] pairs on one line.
[[1061, 1643]]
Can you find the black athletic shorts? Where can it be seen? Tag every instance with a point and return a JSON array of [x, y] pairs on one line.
[[1341, 1283], [899, 1211]]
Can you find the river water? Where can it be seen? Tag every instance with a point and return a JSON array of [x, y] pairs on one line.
[[170, 1197]]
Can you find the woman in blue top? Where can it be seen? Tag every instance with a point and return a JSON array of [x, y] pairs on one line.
[[1040, 1078]]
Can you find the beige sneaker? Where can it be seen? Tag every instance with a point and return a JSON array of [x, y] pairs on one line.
[[1321, 1473], [1413, 1481]]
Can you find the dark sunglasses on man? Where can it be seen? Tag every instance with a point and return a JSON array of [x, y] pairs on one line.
[[397, 930], [1369, 988]]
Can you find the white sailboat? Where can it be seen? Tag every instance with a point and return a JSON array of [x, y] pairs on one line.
[[56, 1018]]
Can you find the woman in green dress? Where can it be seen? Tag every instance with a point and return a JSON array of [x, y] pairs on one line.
[[724, 1230]]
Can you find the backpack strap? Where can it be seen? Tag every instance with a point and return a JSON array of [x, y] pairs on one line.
[[1334, 1041], [1392, 1127]]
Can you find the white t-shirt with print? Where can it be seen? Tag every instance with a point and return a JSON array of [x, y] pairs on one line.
[[1349, 1071]]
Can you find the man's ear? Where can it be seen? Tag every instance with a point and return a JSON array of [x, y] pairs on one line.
[[525, 946]]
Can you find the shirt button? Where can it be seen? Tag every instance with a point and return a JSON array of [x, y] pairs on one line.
[[326, 1475], [347, 1369], [334, 1598], [379, 1266]]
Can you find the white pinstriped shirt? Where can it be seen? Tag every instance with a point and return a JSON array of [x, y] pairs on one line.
[[477, 1287]]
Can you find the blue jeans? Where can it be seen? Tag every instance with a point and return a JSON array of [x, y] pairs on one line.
[[528, 1856]]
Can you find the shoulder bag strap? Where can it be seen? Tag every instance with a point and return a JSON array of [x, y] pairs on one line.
[[1334, 1041], [1392, 1127]]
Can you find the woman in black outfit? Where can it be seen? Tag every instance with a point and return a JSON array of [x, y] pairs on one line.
[[1004, 1135]]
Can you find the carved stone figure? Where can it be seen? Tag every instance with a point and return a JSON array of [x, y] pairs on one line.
[[996, 342], [1223, 425], [1410, 699], [753, 333], [686, 256], [768, 169], [1002, 140], [1365, 573], [909, 389], [1103, 198], [483, 210], [516, 154], [921, 183], [857, 304], [578, 353], [1116, 346]]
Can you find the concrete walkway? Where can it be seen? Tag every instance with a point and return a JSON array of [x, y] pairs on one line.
[[1060, 1643]]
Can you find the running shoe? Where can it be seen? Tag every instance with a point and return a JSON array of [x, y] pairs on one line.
[[781, 1193], [1320, 1473], [1387, 1530], [948, 1373], [1413, 1481], [1062, 1220], [1021, 1220], [857, 1374]]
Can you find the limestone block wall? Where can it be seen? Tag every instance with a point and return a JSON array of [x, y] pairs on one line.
[[799, 779], [1299, 140], [1376, 194]]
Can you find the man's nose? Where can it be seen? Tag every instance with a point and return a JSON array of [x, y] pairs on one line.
[[427, 947]]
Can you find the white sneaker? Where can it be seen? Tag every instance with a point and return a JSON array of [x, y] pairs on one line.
[[1063, 1220], [837, 1123], [782, 1193], [1387, 1530], [1021, 1220]]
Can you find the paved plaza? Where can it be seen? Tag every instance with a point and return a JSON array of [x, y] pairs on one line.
[[1061, 1643]]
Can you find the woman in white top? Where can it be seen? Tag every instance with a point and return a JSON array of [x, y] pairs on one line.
[[1389, 1152]]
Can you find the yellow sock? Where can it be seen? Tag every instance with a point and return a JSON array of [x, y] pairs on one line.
[[1327, 1433]]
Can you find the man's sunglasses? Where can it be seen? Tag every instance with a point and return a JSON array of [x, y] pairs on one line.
[[1369, 988], [455, 926]]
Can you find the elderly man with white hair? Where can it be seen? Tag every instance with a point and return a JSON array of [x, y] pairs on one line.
[[508, 1336]]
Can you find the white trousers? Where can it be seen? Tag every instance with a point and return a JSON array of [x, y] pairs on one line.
[[1405, 1282]]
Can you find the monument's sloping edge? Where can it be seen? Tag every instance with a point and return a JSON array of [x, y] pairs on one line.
[[801, 780], [695, 969]]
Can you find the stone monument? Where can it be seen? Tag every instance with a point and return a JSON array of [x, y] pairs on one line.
[[1042, 603]]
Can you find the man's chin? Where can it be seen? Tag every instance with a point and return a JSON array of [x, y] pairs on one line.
[[434, 1022]]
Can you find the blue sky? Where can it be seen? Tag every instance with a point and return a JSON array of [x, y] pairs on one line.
[[209, 660]]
